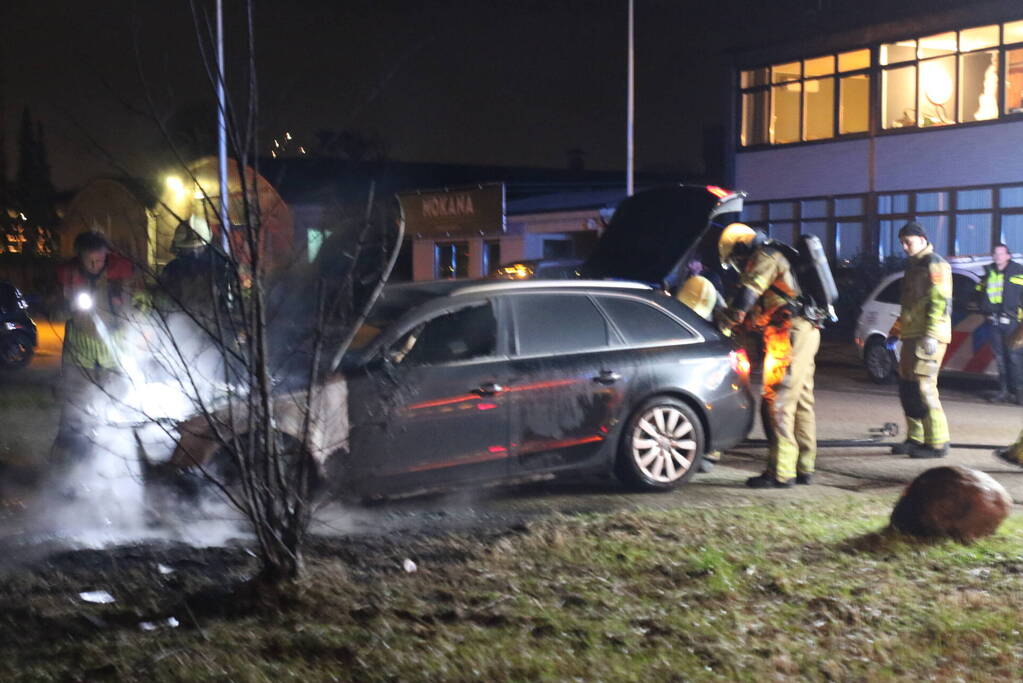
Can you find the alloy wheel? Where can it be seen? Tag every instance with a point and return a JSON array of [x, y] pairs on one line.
[[663, 443]]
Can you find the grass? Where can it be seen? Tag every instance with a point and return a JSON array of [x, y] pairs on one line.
[[770, 592]]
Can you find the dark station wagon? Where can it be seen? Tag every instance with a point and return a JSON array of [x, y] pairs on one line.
[[458, 382]]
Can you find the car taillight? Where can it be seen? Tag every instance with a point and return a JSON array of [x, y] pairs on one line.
[[740, 362]]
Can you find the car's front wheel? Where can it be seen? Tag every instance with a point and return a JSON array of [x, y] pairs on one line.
[[662, 445], [879, 361]]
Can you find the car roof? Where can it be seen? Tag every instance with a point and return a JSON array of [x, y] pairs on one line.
[[500, 287]]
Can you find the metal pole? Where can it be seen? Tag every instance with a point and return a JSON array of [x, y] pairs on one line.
[[631, 106], [225, 221]]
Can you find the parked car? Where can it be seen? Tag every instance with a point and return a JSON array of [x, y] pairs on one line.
[[538, 269], [968, 353], [18, 337], [451, 382]]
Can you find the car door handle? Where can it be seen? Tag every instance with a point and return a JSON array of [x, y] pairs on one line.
[[607, 377], [488, 389]]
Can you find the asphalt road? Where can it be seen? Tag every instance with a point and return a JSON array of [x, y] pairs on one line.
[[848, 406]]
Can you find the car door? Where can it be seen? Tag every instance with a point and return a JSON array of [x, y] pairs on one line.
[[566, 380], [970, 348], [449, 418]]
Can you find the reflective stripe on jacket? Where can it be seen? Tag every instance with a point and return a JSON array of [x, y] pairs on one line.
[[926, 298]]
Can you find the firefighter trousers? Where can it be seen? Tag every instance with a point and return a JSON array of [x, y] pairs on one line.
[[918, 391], [787, 407]]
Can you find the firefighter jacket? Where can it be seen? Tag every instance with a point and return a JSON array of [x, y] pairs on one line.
[[198, 283], [768, 274], [89, 335], [926, 298], [1001, 291]]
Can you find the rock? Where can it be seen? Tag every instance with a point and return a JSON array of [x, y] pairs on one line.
[[952, 502]]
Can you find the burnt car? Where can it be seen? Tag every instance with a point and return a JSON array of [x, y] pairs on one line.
[[452, 383]]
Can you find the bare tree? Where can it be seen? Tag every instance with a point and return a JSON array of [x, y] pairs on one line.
[[251, 346]]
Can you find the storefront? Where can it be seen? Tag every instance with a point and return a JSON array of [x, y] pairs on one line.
[[848, 137], [468, 232]]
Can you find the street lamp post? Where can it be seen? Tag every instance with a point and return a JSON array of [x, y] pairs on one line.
[[630, 105]]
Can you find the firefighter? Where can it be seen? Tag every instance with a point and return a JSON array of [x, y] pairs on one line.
[[767, 298], [699, 294], [1014, 453], [1000, 291], [197, 279], [924, 326], [96, 289]]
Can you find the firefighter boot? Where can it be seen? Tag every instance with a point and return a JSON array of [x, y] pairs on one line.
[[767, 481], [907, 447], [930, 451]]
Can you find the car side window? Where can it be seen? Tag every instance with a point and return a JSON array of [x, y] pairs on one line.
[[465, 334], [558, 323], [643, 324], [892, 293], [963, 292]]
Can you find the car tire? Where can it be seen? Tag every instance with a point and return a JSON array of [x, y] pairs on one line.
[[16, 351], [661, 446], [879, 361]]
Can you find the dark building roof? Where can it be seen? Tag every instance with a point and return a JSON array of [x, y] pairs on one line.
[[317, 179]]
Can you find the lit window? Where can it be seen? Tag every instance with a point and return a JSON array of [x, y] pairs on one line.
[[934, 46], [973, 199], [819, 109], [814, 208], [854, 104], [851, 61], [1010, 196], [1012, 32], [936, 228], [785, 72], [753, 77], [978, 38], [1014, 81], [898, 97], [849, 206], [821, 66], [978, 86], [849, 239], [932, 201], [937, 94], [785, 112], [755, 118], [893, 203], [1012, 231], [902, 51], [451, 260]]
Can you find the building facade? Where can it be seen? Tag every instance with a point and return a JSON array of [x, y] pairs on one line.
[[849, 136]]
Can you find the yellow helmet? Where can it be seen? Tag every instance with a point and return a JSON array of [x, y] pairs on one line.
[[698, 293], [732, 235]]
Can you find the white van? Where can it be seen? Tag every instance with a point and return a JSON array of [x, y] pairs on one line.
[[970, 350]]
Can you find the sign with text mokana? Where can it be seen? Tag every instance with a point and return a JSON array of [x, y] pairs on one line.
[[455, 212]]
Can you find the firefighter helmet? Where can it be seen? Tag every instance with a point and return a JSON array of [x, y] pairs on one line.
[[191, 234], [736, 239], [698, 293]]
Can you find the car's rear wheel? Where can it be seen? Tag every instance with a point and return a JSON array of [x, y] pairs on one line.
[[662, 445], [879, 361], [16, 351]]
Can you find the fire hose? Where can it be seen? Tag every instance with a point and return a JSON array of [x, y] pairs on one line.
[[888, 429]]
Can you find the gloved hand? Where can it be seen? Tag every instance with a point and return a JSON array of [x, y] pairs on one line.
[[929, 345]]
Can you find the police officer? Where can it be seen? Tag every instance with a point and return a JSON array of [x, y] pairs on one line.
[[766, 297], [925, 327], [1001, 295]]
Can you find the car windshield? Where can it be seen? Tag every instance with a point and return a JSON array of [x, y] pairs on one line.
[[394, 302]]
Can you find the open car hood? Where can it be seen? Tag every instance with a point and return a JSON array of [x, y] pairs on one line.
[[655, 231]]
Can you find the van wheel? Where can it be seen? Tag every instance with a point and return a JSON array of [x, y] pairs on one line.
[[880, 362], [662, 445]]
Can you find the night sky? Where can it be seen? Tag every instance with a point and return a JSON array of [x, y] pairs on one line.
[[512, 82]]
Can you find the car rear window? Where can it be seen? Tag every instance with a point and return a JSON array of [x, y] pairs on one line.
[[558, 323], [643, 324]]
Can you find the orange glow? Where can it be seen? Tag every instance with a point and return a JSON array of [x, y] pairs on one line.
[[555, 445], [777, 356], [443, 402], [497, 449], [740, 362], [486, 406], [718, 192], [543, 385], [468, 460]]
